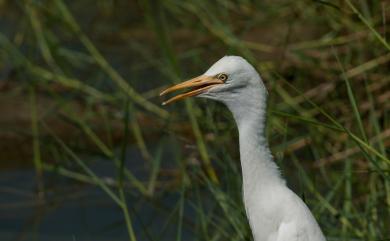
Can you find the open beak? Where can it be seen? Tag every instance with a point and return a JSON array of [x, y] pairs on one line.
[[198, 85]]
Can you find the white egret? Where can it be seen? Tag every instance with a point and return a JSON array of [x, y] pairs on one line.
[[275, 212]]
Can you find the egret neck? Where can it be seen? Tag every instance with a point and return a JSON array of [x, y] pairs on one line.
[[258, 167]]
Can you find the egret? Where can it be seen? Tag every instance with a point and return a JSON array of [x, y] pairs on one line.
[[275, 213]]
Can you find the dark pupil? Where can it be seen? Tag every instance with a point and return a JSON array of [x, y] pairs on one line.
[[222, 77]]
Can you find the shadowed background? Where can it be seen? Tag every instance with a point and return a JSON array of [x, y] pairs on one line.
[[88, 153]]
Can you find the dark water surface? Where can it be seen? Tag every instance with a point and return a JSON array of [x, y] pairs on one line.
[[75, 211]]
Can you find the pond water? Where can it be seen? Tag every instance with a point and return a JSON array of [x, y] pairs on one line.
[[75, 211]]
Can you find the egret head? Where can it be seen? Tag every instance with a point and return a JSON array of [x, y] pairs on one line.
[[231, 80]]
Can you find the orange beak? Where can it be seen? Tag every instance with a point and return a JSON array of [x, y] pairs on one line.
[[199, 85]]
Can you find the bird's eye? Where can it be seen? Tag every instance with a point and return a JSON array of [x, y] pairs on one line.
[[222, 77]]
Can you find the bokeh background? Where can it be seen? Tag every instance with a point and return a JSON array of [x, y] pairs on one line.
[[88, 153]]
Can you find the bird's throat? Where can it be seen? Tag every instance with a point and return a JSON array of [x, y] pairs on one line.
[[258, 167]]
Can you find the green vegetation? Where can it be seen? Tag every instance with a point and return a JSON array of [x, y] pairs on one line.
[[92, 71]]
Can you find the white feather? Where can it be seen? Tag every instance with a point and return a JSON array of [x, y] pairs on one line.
[[275, 213]]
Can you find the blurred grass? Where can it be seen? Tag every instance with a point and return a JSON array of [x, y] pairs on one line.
[[93, 71]]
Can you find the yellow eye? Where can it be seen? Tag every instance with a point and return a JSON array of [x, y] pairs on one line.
[[222, 77]]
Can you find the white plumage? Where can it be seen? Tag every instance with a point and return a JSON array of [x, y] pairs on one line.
[[275, 213]]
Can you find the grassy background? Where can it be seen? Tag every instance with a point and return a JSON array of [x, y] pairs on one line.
[[80, 80]]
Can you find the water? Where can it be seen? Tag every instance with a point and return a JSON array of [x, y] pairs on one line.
[[77, 211]]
